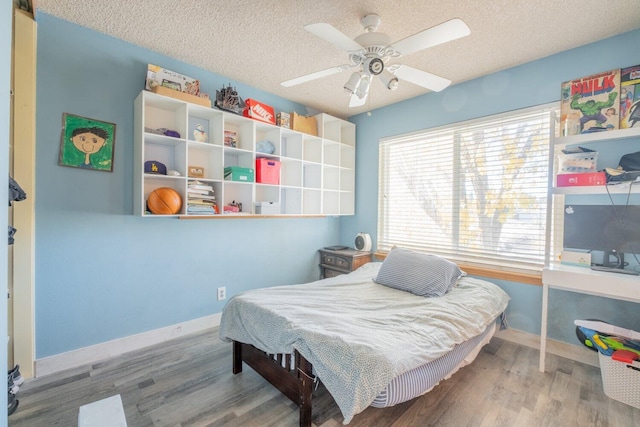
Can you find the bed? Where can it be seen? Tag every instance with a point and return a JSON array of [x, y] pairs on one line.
[[369, 336]]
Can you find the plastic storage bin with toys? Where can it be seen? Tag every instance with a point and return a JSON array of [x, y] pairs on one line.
[[619, 356]]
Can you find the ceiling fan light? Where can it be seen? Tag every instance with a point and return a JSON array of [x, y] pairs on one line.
[[363, 87], [389, 80], [373, 66], [353, 83]]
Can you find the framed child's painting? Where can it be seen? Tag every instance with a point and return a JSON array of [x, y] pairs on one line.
[[87, 143]]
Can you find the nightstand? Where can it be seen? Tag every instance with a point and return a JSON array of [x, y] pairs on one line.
[[336, 262]]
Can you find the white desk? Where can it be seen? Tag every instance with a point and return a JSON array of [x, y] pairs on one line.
[[585, 281]]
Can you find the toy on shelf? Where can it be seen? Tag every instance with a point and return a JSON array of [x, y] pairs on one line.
[[228, 99], [199, 133], [164, 201], [169, 83]]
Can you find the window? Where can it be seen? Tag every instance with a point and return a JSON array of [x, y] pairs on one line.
[[473, 192]]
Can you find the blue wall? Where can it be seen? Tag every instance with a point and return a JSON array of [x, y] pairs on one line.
[[102, 273], [519, 87]]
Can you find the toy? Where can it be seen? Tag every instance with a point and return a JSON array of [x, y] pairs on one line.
[[607, 328], [616, 344], [164, 201], [199, 134], [596, 341], [228, 99], [230, 138], [604, 343], [624, 356]]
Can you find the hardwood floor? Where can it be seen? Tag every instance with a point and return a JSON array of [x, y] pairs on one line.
[[188, 382]]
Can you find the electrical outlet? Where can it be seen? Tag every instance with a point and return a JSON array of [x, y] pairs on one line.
[[222, 293]]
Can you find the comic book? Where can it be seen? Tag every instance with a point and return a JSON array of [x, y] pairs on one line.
[[630, 97], [590, 104]]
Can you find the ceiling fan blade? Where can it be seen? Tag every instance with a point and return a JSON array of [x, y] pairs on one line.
[[422, 78], [356, 101], [442, 33], [331, 34], [313, 76]]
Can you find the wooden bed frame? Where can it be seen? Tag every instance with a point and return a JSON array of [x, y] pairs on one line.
[[296, 384]]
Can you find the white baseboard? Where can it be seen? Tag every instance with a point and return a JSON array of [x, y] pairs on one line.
[[574, 352], [94, 353]]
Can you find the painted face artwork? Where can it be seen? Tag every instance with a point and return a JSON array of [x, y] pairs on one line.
[[89, 141]]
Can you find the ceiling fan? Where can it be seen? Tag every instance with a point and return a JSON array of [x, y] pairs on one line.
[[371, 51]]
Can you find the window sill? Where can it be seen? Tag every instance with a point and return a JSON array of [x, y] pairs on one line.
[[491, 273]]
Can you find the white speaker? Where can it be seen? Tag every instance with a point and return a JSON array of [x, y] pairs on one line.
[[363, 242]]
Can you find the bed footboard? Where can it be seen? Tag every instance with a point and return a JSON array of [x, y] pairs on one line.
[[296, 384]]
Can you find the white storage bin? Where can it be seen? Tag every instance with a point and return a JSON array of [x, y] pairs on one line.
[[267, 208], [578, 162], [621, 381]]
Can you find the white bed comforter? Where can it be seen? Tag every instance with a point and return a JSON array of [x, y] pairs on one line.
[[358, 334]]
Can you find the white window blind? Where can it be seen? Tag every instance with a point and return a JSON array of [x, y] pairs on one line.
[[474, 191]]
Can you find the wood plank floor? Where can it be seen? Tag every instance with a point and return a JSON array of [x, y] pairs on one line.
[[188, 382]]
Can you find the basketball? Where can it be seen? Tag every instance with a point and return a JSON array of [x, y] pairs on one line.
[[164, 201]]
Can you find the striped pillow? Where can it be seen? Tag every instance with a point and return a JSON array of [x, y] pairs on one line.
[[420, 274]]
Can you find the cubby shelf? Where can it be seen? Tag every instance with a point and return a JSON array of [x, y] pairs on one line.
[[317, 173], [610, 138]]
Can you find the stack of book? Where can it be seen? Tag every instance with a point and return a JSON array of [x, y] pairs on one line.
[[200, 199]]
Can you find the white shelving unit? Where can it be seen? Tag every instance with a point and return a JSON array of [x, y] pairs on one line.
[[610, 137], [557, 194], [317, 173], [580, 279]]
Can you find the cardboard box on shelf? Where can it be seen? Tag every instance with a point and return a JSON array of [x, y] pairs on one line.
[[237, 173], [195, 171], [283, 120], [161, 90], [158, 76], [304, 124], [258, 111], [169, 83]]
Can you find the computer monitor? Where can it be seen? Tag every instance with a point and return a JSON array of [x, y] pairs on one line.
[[611, 229]]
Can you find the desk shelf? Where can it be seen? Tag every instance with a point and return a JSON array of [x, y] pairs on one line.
[[585, 281]]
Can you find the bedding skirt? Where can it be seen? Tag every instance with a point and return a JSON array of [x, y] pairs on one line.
[[422, 379]]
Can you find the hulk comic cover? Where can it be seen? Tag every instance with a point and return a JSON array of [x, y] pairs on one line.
[[590, 104], [630, 97]]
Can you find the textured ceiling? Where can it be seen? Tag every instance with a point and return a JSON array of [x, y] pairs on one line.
[[261, 43]]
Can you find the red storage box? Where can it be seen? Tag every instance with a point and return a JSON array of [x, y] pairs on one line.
[[267, 171], [580, 179]]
